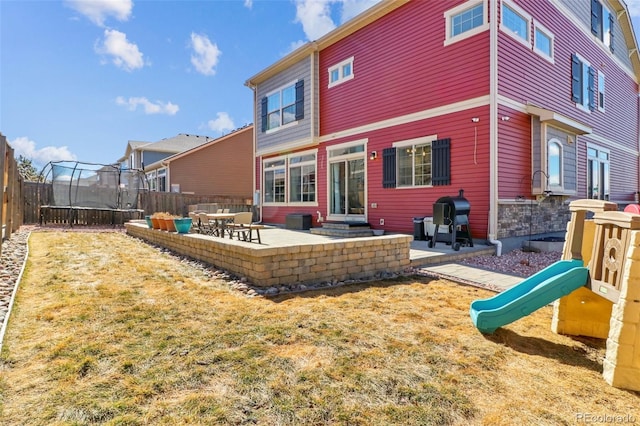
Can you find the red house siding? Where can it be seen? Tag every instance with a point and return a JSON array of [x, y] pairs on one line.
[[526, 77], [400, 71], [514, 154]]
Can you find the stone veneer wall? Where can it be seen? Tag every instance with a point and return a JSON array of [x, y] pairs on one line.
[[266, 266], [519, 218]]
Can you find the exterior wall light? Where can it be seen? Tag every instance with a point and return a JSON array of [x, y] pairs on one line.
[[373, 155]]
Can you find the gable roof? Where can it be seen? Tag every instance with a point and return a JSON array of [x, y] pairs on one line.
[[175, 144], [363, 19], [624, 19], [233, 133]]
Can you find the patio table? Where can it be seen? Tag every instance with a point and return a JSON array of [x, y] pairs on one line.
[[220, 221]]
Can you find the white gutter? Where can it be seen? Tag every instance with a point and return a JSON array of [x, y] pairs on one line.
[[493, 127]]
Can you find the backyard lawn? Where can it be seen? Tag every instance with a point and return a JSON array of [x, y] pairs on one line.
[[107, 329]]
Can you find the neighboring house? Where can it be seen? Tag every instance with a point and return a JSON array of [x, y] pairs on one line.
[[148, 156], [221, 166], [523, 104]]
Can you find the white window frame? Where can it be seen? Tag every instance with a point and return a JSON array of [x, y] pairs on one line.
[[585, 85], [302, 164], [464, 7], [602, 100], [539, 28], [339, 67], [280, 90], [411, 143], [267, 168], [286, 167], [560, 186], [526, 41], [599, 149]]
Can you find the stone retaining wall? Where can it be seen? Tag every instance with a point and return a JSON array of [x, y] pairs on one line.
[[267, 266]]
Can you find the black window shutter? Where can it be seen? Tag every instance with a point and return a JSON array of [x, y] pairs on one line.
[[592, 92], [389, 168], [611, 28], [264, 114], [596, 12], [576, 79], [299, 99], [441, 162]]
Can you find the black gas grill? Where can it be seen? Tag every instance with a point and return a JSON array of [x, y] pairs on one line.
[[454, 213]]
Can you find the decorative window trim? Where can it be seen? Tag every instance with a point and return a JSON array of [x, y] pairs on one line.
[[602, 24], [587, 104], [341, 77], [537, 27], [522, 14], [451, 13]]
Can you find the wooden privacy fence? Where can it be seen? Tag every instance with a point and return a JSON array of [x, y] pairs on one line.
[[11, 215]]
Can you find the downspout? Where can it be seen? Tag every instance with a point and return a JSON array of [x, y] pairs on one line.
[[493, 127], [255, 131]]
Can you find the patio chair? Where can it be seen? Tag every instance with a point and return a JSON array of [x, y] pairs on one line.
[[242, 226], [205, 224], [195, 220], [219, 211], [225, 210]]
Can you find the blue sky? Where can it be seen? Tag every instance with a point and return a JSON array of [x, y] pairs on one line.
[[80, 78]]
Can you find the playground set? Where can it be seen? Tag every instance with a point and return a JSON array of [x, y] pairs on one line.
[[595, 288]]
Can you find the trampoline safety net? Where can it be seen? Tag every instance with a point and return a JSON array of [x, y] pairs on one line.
[[98, 186]]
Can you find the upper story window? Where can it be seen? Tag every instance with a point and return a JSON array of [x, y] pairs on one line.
[[465, 20], [515, 22], [543, 42], [283, 106], [600, 91], [602, 23], [583, 79], [341, 72]]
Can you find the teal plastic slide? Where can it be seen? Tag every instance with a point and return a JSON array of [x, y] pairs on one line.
[[535, 292]]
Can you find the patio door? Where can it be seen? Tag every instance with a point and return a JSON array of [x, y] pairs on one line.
[[347, 183]]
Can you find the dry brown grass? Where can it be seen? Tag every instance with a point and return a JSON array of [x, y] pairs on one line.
[[108, 330]]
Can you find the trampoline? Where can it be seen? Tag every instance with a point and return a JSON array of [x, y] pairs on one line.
[[80, 193]]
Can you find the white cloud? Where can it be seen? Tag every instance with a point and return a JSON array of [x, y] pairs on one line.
[[97, 11], [315, 17], [248, 4], [205, 54], [123, 54], [351, 8], [40, 157], [634, 8], [222, 123], [157, 107]]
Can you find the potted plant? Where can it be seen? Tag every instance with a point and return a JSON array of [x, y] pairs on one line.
[[182, 224]]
